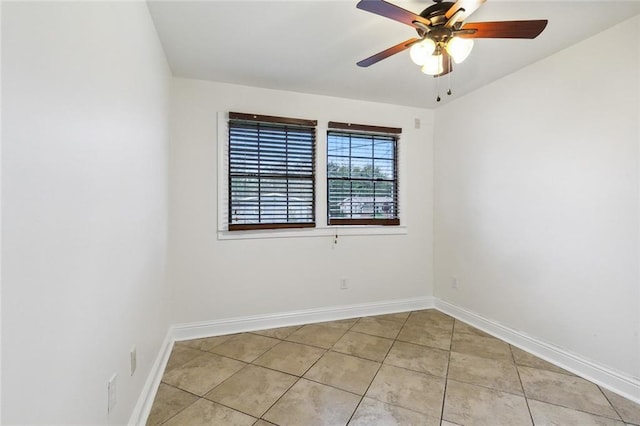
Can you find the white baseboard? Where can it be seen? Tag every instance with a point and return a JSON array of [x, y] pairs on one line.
[[147, 395], [284, 319], [615, 381]]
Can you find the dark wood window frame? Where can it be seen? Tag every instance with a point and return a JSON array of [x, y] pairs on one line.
[[373, 132], [298, 139]]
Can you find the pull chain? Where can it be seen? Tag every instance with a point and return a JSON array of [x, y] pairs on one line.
[[449, 77]]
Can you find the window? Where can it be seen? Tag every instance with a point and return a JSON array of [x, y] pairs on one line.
[[271, 172], [362, 175]]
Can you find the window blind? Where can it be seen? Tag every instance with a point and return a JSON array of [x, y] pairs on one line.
[[362, 175], [271, 172]]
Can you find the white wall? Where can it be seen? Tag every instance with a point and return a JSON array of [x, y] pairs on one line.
[[84, 196], [536, 200], [215, 279]]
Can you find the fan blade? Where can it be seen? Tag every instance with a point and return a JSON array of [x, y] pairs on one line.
[[391, 11], [447, 65], [388, 52], [468, 6], [505, 29]]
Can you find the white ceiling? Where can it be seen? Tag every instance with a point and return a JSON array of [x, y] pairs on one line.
[[312, 46]]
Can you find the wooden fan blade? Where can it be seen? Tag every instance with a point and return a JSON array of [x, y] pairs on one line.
[[505, 29], [387, 52], [469, 7], [391, 11], [447, 65]]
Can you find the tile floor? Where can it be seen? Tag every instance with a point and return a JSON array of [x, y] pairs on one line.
[[420, 368]]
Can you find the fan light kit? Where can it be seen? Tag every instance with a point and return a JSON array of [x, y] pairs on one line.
[[444, 37], [428, 54]]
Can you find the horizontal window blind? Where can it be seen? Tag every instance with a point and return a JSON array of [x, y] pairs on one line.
[[362, 175], [271, 172]]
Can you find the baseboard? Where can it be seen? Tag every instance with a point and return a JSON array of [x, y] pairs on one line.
[[284, 319], [147, 395], [614, 381]]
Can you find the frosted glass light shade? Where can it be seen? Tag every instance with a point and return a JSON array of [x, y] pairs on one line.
[[433, 65], [459, 48], [421, 51]]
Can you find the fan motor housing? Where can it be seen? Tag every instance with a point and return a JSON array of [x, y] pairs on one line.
[[436, 12]]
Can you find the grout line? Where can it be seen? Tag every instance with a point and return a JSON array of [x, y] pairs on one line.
[[611, 404], [521, 395], [526, 400], [278, 400], [306, 371], [446, 376], [178, 412], [231, 408], [378, 371], [180, 389], [581, 411]]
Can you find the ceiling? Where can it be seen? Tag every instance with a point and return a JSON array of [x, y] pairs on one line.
[[312, 46]]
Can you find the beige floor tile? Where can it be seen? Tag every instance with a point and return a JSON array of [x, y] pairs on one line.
[[435, 337], [491, 373], [464, 328], [467, 404], [628, 410], [245, 347], [550, 415], [399, 317], [322, 336], [486, 347], [528, 360], [168, 402], [418, 358], [371, 412], [308, 403], [201, 374], [363, 345], [206, 413], [252, 390], [378, 327], [344, 372], [568, 391], [278, 333], [207, 343], [408, 389], [431, 318], [180, 355], [292, 358], [344, 324]]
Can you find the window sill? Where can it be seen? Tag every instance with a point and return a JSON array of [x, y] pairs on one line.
[[325, 231]]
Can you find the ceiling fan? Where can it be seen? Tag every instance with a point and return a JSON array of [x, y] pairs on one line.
[[443, 36]]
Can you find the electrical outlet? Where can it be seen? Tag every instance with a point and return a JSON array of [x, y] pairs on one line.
[[454, 283], [134, 359], [344, 284], [111, 392]]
